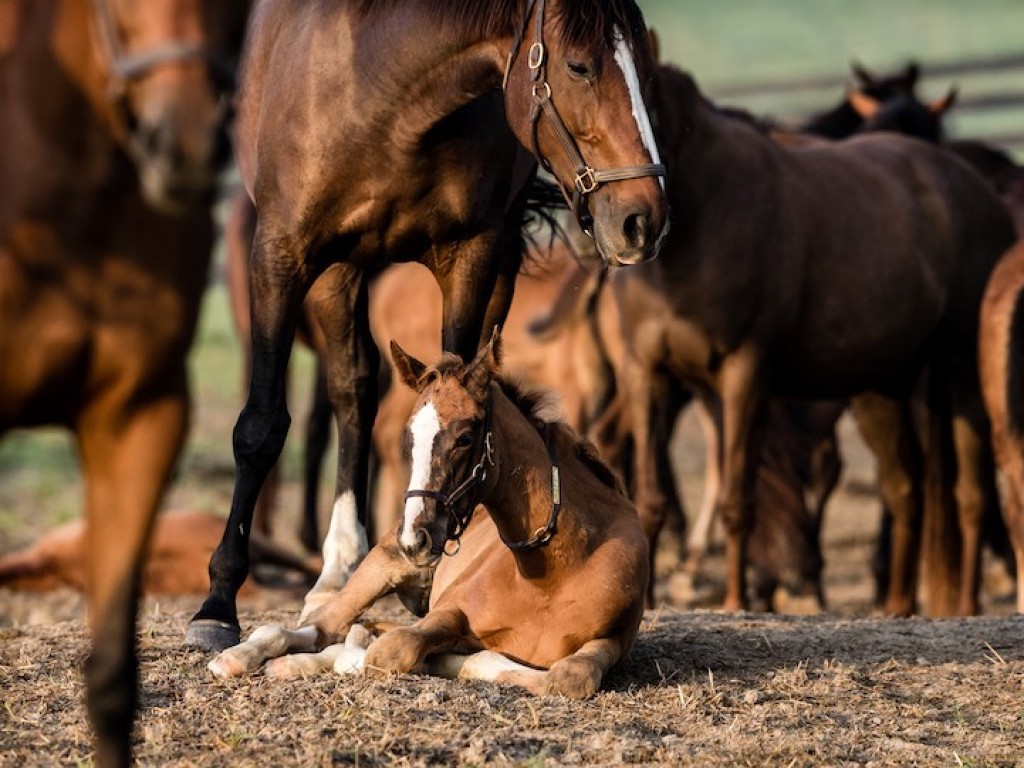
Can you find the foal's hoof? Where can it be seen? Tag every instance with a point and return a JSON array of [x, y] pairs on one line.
[[212, 635]]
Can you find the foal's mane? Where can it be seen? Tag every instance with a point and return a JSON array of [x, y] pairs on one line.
[[580, 23], [533, 403]]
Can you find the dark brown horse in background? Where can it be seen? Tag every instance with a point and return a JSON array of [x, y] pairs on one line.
[[371, 133], [791, 279], [113, 117]]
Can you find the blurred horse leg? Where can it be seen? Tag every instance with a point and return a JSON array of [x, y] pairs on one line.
[[887, 428], [128, 453], [318, 437]]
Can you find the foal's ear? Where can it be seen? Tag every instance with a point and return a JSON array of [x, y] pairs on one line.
[[485, 366], [409, 369]]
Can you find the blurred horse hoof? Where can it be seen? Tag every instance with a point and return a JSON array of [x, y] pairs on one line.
[[212, 635]]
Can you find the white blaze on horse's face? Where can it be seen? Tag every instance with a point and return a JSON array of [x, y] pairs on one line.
[[424, 428], [624, 58]]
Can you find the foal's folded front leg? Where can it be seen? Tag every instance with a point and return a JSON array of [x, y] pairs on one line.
[[383, 571]]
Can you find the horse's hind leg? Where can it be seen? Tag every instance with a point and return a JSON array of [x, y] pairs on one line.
[[127, 457], [887, 428], [279, 284], [576, 677], [339, 300], [975, 466]]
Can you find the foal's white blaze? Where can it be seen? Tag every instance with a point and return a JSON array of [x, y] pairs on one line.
[[424, 428], [624, 58]]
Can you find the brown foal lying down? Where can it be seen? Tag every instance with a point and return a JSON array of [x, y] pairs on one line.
[[544, 586]]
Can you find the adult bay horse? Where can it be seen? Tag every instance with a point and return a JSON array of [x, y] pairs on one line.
[[788, 274], [372, 132], [547, 568], [113, 116]]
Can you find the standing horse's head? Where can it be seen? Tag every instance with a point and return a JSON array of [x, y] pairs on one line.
[[170, 69], [447, 443], [573, 93]]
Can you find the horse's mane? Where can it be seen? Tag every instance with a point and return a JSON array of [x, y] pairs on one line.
[[533, 403], [580, 23]]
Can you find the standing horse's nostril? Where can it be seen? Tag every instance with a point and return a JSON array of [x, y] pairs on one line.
[[635, 229]]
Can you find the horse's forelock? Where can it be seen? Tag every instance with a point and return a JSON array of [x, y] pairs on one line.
[[589, 23]]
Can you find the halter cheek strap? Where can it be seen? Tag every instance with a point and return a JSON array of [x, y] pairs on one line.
[[587, 179]]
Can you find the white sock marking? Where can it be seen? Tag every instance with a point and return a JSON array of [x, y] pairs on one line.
[[424, 427], [344, 545]]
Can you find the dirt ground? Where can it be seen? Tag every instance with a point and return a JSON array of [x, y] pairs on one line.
[[699, 688]]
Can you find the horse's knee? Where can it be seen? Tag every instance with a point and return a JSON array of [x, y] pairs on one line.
[[259, 436]]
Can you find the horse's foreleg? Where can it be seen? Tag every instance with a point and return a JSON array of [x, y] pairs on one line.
[[638, 384], [339, 300], [887, 428], [128, 454], [476, 278], [318, 436], [699, 542], [742, 413], [278, 286]]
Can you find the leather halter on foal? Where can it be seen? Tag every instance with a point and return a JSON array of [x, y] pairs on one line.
[[458, 521], [587, 179], [125, 67]]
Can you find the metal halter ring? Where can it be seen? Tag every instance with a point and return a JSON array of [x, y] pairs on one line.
[[536, 56], [541, 92], [586, 181]]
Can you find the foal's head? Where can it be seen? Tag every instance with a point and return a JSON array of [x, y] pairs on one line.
[[447, 443], [574, 93], [169, 66]]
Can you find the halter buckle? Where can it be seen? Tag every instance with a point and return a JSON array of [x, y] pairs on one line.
[[536, 56], [541, 92], [586, 182]]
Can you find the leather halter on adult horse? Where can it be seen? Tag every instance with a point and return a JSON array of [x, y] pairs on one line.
[[113, 117], [544, 583], [375, 132]]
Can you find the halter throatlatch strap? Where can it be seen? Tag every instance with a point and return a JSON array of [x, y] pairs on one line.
[[544, 534], [587, 179]]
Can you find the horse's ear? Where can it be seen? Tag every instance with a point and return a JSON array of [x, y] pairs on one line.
[[911, 75], [655, 43], [865, 78], [485, 366], [409, 369], [864, 105], [939, 107]]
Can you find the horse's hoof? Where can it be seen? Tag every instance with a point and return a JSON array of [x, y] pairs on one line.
[[212, 635], [225, 666]]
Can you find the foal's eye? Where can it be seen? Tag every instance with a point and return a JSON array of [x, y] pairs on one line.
[[464, 440], [580, 70]]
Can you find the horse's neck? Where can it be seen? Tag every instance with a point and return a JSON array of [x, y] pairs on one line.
[[419, 85], [519, 501]]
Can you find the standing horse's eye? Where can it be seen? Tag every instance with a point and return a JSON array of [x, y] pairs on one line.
[[579, 70], [464, 440]]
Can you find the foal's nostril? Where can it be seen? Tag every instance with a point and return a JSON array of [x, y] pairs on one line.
[[635, 229], [422, 540]]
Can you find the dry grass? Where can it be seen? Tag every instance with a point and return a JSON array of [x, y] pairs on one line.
[[699, 688]]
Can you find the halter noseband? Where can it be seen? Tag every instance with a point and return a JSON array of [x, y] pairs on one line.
[[459, 521], [587, 178]]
